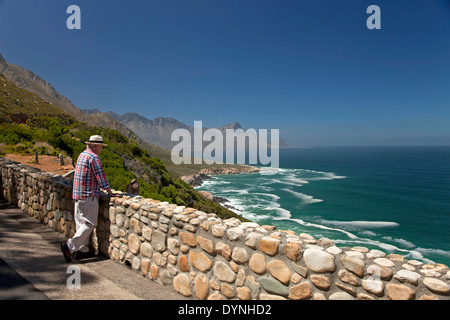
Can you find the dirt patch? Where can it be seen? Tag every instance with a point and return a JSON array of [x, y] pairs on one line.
[[45, 163]]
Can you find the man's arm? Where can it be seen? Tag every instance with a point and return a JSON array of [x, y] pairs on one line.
[[101, 177]]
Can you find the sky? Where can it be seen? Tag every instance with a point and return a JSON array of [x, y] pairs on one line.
[[310, 68]]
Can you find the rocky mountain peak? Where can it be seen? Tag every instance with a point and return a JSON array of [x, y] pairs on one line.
[[235, 125]]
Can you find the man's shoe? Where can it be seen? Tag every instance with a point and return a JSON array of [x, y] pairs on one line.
[[84, 255], [66, 252]]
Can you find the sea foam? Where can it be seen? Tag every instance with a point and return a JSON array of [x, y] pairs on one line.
[[306, 199], [362, 224]]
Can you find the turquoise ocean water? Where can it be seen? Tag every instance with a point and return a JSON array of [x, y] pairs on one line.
[[396, 199]]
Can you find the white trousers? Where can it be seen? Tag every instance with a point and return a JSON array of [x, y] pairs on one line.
[[86, 215]]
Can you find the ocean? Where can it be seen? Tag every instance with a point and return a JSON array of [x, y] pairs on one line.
[[395, 199]]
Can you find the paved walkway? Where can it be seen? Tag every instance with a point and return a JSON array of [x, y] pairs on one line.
[[32, 267]]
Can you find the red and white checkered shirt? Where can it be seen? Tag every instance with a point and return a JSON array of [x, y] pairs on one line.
[[89, 176]]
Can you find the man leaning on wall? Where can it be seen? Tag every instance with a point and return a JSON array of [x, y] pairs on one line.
[[89, 181]]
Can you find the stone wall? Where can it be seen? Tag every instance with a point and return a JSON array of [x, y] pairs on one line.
[[204, 256]]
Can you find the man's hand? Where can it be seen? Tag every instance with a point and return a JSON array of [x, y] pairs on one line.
[[111, 194], [117, 195]]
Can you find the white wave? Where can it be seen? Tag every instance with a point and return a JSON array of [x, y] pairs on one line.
[[272, 181], [354, 239], [279, 181], [368, 233], [293, 170], [434, 251], [281, 213], [306, 174], [208, 183], [382, 245], [403, 242], [364, 241], [320, 226], [262, 204], [255, 216], [230, 190], [283, 170], [325, 175], [294, 184], [259, 187], [268, 171], [263, 188], [295, 180], [270, 195], [386, 247], [362, 224], [307, 199], [253, 211], [255, 206], [409, 252], [416, 255], [235, 202]]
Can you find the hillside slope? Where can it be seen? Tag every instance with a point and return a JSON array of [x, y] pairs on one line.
[[47, 129], [17, 105], [26, 79], [31, 82]]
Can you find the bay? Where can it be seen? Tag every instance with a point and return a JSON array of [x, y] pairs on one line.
[[396, 199]]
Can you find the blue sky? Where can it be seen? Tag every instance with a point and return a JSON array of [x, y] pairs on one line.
[[309, 68]]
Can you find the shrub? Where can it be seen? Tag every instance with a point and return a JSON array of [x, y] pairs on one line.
[[13, 133], [136, 151], [114, 135], [155, 181], [44, 122]]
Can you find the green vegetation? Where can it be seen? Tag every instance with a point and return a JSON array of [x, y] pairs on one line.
[[17, 105], [123, 159], [29, 124]]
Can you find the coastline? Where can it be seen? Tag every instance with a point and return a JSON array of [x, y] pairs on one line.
[[196, 180], [298, 190], [352, 273]]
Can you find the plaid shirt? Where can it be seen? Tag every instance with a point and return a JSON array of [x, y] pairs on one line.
[[89, 176]]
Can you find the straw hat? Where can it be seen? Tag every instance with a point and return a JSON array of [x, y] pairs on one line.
[[96, 140]]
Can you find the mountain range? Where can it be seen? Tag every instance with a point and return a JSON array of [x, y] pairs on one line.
[[154, 135], [36, 119], [159, 130], [33, 83]]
